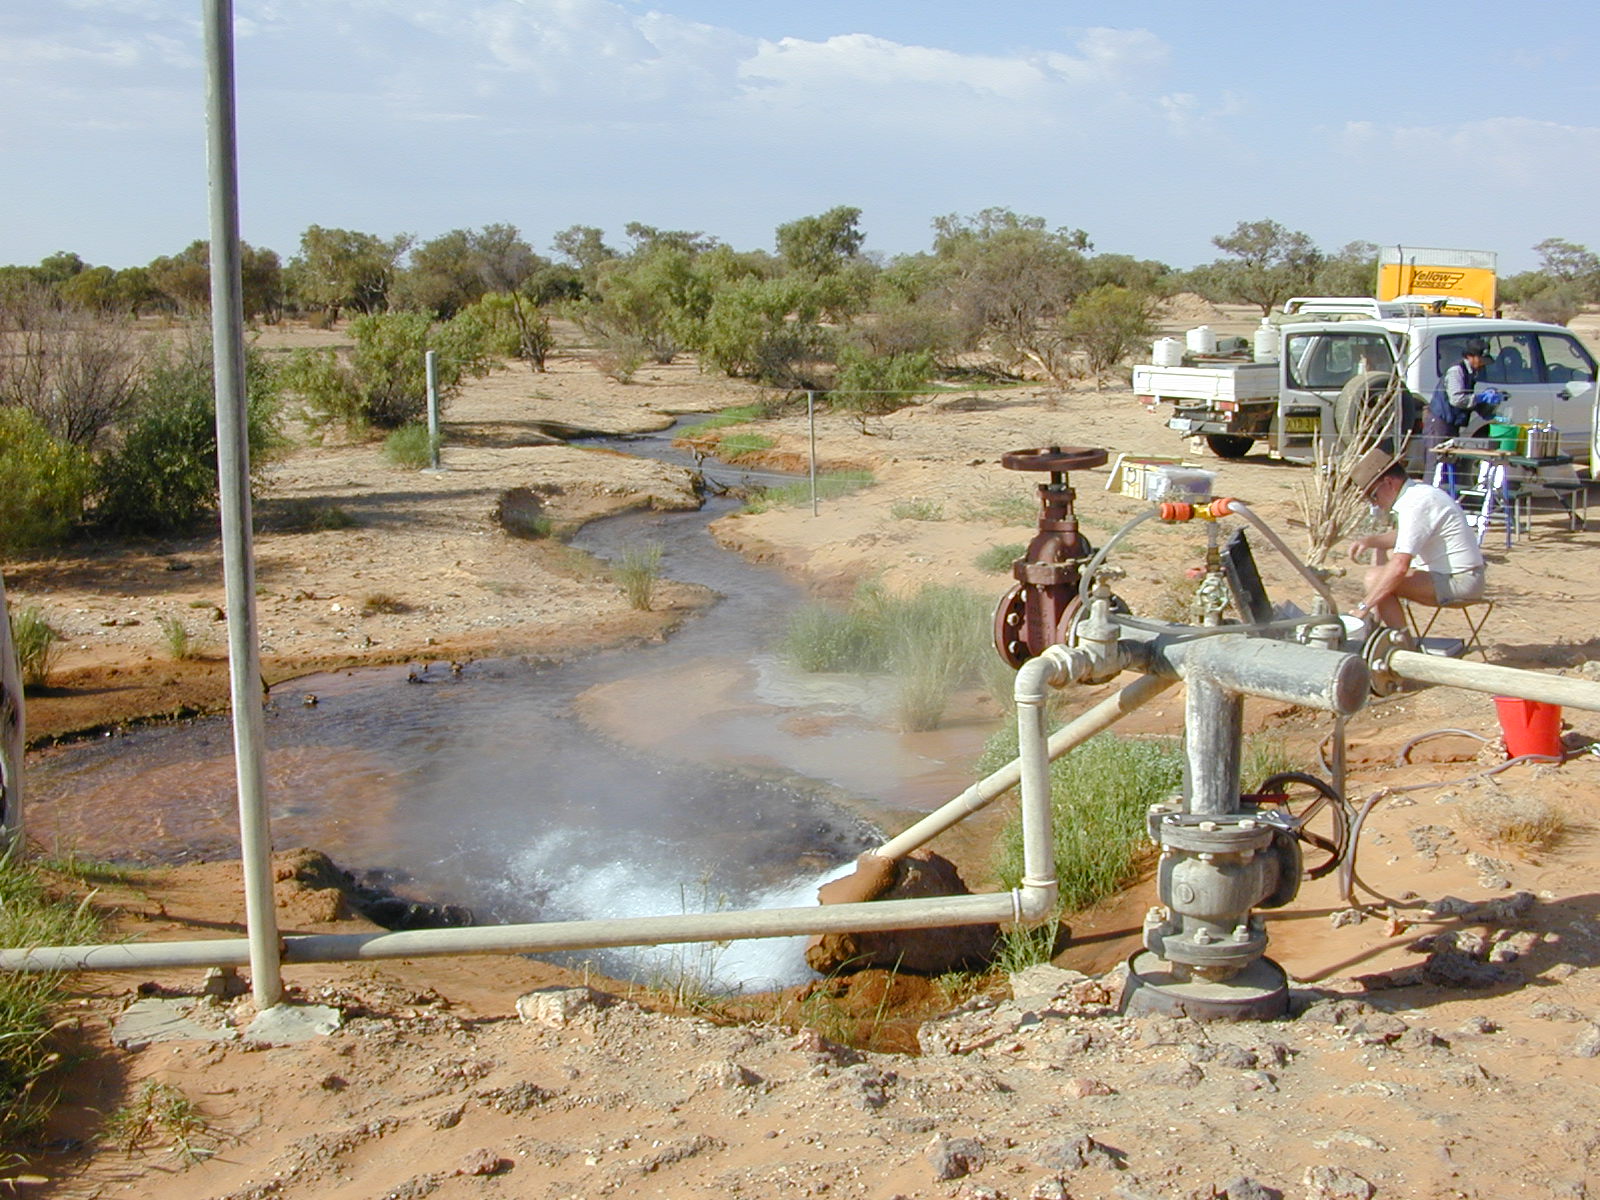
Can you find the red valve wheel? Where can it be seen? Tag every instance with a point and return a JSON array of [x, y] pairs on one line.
[[1053, 458]]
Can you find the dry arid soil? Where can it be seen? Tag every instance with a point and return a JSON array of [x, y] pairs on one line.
[[1444, 1044]]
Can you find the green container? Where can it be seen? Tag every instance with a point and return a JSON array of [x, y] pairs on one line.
[[1509, 437]]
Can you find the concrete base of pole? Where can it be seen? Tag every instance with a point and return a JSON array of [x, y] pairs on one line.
[[1258, 993]]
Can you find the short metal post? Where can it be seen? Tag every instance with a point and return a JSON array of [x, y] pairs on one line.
[[431, 362], [13, 733], [811, 418]]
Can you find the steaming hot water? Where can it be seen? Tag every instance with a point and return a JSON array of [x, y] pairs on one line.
[[484, 789]]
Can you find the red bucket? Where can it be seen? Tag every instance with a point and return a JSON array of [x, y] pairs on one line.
[[1530, 726]]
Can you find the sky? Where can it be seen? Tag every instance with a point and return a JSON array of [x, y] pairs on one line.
[[1152, 126]]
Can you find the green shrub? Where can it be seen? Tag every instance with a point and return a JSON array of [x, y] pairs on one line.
[[874, 384], [1099, 794], [823, 637], [42, 483], [410, 447], [175, 637], [34, 914], [637, 572], [162, 476], [1007, 510], [36, 644], [383, 381]]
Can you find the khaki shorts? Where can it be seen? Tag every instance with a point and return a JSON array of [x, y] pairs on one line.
[[1458, 588]]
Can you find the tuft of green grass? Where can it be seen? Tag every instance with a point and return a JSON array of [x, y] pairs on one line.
[[410, 447], [37, 645], [637, 572], [916, 508], [733, 446], [1099, 794], [158, 1113], [35, 911], [830, 486], [175, 637], [1524, 824], [1007, 510], [742, 414], [1021, 947], [999, 558]]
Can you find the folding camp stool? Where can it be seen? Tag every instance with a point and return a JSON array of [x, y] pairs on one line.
[[1474, 612]]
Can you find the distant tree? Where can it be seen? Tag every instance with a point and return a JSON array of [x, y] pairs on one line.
[[185, 280], [584, 247], [1350, 271], [60, 266], [647, 239], [769, 330], [342, 268], [1567, 262], [657, 299], [1268, 264], [1010, 280], [1107, 323], [821, 245], [93, 289]]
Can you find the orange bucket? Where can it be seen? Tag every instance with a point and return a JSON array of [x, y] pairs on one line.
[[1530, 726]]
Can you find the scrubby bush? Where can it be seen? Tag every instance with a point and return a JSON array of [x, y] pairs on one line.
[[637, 572], [162, 476], [36, 644], [42, 483], [873, 384], [383, 382], [410, 447]]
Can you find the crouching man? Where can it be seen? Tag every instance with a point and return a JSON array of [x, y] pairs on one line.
[[1431, 556]]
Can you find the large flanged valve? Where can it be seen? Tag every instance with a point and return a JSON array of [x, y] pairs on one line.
[[1037, 612]]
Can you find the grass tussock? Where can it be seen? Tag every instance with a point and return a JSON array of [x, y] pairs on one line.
[[830, 486], [1523, 824], [175, 636], [998, 559], [1099, 793], [917, 508], [38, 910], [733, 446], [158, 1116], [932, 641], [377, 603], [37, 645], [637, 572], [1009, 509], [410, 447]]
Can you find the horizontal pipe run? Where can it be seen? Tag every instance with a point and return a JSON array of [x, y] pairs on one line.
[[983, 793], [1565, 690], [1310, 676], [931, 913]]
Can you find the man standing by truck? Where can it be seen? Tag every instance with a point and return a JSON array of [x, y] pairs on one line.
[[1453, 400], [1430, 557]]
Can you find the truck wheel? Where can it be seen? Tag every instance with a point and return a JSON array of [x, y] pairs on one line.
[[1229, 445], [1359, 396]]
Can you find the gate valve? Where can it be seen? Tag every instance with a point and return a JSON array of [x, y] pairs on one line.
[[1038, 610]]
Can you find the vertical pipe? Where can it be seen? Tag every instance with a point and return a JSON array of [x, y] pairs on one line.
[[811, 420], [1213, 724], [233, 479], [431, 361]]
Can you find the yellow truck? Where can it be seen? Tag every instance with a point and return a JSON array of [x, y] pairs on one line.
[[1454, 283]]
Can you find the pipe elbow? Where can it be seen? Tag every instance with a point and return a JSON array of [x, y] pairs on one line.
[[1035, 901], [1055, 666]]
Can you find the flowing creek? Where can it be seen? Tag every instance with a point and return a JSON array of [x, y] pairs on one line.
[[716, 777]]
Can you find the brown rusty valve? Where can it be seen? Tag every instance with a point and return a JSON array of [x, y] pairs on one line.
[[1038, 611]]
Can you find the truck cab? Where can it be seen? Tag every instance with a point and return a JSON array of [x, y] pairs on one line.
[[1544, 371]]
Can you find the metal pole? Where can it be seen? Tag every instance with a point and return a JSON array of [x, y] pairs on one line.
[[1565, 690], [13, 733], [811, 420], [233, 479], [431, 361]]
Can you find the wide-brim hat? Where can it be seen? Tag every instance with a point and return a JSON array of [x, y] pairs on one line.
[[1370, 467]]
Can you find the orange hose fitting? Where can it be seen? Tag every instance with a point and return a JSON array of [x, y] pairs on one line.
[[1176, 510]]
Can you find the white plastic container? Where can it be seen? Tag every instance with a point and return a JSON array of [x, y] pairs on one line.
[[1201, 340], [1167, 352], [1191, 485], [1264, 346]]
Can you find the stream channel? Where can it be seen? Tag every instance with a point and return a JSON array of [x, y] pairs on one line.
[[484, 788]]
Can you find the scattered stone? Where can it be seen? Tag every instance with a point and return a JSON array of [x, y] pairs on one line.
[[1323, 1182], [1418, 1038], [1074, 1152], [1378, 1029], [1178, 1075], [516, 1098], [1478, 1024], [1549, 1010], [448, 1118], [558, 1007], [1237, 1057], [1452, 906], [1457, 970], [416, 1187], [1346, 916], [1049, 1188], [1338, 1010], [1258, 1081], [1245, 1188], [1587, 1044], [1074, 1041], [1511, 909], [954, 1158], [483, 1161], [1082, 1086], [727, 1074], [1349, 1137], [1037, 985]]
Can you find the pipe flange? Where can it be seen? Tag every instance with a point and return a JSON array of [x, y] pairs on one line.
[[1381, 643], [1230, 833], [1213, 954]]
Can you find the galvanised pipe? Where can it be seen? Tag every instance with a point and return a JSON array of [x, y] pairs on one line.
[[983, 793], [1213, 731], [1500, 681], [1055, 666], [1309, 676], [1024, 905], [233, 488]]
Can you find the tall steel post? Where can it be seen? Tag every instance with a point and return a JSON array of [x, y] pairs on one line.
[[233, 478], [430, 363]]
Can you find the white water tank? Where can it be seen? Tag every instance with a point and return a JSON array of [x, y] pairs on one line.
[[1201, 340], [1167, 352], [1265, 348]]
